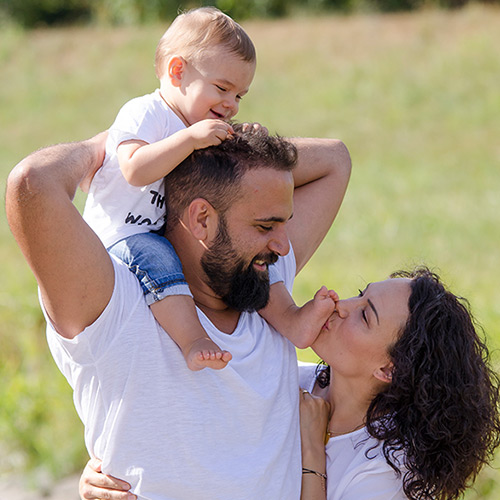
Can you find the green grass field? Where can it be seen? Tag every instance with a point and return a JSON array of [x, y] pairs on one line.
[[414, 97]]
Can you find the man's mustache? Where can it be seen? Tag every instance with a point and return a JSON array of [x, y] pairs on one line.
[[268, 258]]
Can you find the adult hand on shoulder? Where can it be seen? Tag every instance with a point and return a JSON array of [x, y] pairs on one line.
[[94, 485]]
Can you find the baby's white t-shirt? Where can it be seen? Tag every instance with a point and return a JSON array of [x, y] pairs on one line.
[[115, 209]]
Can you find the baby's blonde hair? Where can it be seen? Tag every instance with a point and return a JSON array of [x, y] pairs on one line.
[[198, 30]]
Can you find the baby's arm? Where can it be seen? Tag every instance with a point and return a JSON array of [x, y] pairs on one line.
[[300, 325], [142, 163]]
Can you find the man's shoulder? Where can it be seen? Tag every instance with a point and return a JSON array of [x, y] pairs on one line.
[[126, 306], [125, 279]]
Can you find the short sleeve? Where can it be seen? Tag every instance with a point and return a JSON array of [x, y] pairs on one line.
[[285, 268], [137, 119], [377, 481], [93, 342]]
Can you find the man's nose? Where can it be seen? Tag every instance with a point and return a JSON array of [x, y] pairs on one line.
[[279, 243]]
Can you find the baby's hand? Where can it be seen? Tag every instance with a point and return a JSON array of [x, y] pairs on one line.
[[255, 128], [210, 132]]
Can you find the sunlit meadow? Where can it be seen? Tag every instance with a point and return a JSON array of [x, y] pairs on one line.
[[416, 99]]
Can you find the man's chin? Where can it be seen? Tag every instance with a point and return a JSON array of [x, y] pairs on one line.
[[246, 307], [249, 295]]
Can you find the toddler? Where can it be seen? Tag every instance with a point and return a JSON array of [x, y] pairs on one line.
[[205, 63]]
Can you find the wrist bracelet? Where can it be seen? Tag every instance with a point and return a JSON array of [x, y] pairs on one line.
[[316, 473]]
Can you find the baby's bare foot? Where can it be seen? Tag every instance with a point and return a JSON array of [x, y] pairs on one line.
[[205, 353]]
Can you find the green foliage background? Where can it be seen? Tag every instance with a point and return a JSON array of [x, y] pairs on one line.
[[415, 98], [30, 13]]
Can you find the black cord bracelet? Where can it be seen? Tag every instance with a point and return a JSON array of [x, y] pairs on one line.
[[316, 473]]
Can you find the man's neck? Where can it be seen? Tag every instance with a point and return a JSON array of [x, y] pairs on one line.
[[223, 318]]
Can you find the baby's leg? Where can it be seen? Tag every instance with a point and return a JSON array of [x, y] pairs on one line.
[[300, 325], [153, 260], [177, 315]]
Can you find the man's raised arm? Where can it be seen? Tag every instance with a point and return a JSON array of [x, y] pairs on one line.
[[72, 267], [321, 178]]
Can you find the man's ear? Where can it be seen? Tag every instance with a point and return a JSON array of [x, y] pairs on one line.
[[175, 69], [202, 219], [384, 373]]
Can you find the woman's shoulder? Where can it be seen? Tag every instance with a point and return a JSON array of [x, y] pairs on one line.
[[357, 468]]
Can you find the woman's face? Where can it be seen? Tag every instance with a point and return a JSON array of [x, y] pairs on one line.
[[356, 339]]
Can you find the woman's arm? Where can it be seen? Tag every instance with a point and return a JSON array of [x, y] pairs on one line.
[[314, 415]]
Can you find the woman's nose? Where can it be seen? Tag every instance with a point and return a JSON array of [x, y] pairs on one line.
[[343, 308]]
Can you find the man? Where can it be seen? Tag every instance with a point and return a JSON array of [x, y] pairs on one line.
[[170, 432]]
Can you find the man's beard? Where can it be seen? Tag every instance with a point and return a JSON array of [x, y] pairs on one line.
[[239, 285]]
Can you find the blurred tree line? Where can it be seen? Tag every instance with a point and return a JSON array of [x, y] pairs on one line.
[[33, 13]]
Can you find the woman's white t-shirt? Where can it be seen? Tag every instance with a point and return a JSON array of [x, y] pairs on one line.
[[355, 465]]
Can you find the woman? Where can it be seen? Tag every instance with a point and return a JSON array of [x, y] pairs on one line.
[[407, 400]]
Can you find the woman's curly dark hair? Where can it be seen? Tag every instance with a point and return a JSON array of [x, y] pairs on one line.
[[442, 408]]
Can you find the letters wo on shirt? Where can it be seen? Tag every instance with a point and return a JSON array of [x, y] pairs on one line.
[[156, 199]]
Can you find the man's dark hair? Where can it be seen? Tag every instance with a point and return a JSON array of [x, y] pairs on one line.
[[215, 173]]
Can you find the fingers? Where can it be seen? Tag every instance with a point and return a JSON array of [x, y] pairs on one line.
[[211, 132], [317, 400], [88, 492], [95, 464], [255, 128], [226, 132], [94, 485]]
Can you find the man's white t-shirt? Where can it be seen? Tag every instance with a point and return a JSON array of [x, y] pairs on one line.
[[115, 209], [351, 474], [177, 434]]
